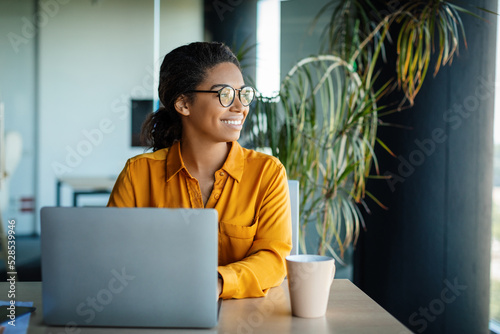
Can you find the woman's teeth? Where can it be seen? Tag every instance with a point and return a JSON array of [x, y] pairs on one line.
[[231, 122]]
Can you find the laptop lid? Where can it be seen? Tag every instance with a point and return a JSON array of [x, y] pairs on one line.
[[131, 267]]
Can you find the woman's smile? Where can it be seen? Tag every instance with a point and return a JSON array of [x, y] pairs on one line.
[[233, 123]]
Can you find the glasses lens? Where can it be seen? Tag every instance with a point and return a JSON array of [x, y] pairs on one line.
[[247, 95], [226, 96]]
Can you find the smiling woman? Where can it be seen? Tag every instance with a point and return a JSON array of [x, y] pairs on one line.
[[197, 162]]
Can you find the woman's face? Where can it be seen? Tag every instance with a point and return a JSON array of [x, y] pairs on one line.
[[206, 118]]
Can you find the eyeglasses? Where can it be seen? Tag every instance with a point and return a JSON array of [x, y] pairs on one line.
[[227, 94]]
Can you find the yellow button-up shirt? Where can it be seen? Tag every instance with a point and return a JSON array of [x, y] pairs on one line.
[[250, 194]]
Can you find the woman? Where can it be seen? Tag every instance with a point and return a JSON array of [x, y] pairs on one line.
[[198, 163]]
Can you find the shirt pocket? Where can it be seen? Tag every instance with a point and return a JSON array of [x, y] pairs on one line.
[[235, 241]]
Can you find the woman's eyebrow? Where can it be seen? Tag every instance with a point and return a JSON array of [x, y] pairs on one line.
[[223, 85], [218, 85]]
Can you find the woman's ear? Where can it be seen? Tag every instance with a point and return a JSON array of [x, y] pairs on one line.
[[181, 106]]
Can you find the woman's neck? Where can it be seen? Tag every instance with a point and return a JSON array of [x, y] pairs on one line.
[[203, 159]]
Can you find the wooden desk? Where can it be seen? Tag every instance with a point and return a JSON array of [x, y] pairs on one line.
[[349, 311]]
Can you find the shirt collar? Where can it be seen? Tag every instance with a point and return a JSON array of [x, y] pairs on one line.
[[235, 161], [174, 160], [233, 165]]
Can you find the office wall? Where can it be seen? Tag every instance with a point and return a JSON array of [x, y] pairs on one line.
[[17, 92], [94, 57], [299, 37]]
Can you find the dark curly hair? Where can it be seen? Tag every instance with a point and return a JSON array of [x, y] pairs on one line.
[[183, 69]]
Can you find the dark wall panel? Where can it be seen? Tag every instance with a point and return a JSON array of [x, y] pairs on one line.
[[234, 23], [426, 260]]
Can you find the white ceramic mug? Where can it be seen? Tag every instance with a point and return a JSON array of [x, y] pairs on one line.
[[309, 281]]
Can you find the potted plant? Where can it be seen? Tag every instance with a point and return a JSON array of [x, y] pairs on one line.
[[323, 122]]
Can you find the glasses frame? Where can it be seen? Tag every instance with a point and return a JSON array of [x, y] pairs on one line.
[[234, 95]]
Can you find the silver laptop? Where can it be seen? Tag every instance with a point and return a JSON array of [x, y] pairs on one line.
[[130, 267]]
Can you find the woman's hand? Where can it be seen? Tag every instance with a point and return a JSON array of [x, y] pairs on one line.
[[219, 286]]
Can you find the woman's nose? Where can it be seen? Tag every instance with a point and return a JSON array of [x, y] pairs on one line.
[[237, 106]]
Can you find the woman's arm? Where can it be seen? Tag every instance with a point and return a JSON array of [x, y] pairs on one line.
[[264, 265], [122, 194]]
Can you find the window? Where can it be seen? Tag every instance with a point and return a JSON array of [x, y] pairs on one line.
[[268, 47], [495, 242]]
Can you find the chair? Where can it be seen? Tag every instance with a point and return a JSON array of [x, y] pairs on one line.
[[293, 186]]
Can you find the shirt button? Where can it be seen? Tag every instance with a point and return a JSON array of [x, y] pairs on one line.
[[221, 173], [216, 196]]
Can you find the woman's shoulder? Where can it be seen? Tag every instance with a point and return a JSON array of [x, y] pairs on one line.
[[148, 157], [261, 157], [260, 165]]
